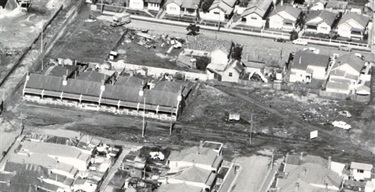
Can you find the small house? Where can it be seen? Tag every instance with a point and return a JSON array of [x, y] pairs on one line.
[[219, 10], [173, 7], [353, 26], [154, 4], [360, 171], [320, 22], [284, 18], [255, 14], [136, 4], [336, 6]]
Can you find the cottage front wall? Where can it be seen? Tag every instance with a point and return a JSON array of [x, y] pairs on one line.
[[323, 28], [276, 22], [173, 9], [361, 174], [231, 75], [318, 72], [254, 20], [344, 30], [298, 75], [136, 4], [213, 15]]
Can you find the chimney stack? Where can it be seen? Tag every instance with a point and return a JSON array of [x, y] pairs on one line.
[[65, 81], [301, 156], [102, 86], [166, 180], [200, 146], [282, 2], [329, 162], [140, 92]]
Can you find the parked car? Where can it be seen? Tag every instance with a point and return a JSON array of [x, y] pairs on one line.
[[281, 40], [345, 113], [345, 48], [300, 42], [341, 124]]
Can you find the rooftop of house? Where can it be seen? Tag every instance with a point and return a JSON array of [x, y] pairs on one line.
[[361, 166], [93, 76], [25, 178], [169, 86], [154, 1], [196, 174], [226, 6], [44, 161], [236, 65], [294, 12], [200, 155], [130, 81], [180, 187], [309, 174], [323, 15], [336, 4], [54, 149], [303, 59], [254, 64], [258, 7], [220, 50], [337, 86], [60, 71], [350, 59], [359, 19]]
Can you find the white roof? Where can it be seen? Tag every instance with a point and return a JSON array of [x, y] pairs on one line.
[[361, 166]]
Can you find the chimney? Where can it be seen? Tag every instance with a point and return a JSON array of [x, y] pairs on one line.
[[301, 156], [65, 81], [102, 86], [141, 92], [300, 60], [329, 162], [166, 180], [282, 2], [200, 146]]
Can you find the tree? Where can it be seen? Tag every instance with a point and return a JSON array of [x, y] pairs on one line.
[[202, 63], [237, 52], [301, 2], [193, 29]]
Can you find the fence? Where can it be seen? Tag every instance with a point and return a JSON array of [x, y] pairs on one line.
[[343, 96], [337, 43], [111, 8]]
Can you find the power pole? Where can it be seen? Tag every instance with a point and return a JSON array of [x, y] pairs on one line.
[[144, 112], [170, 128], [251, 129]]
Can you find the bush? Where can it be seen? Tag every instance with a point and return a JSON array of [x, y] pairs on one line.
[[202, 63]]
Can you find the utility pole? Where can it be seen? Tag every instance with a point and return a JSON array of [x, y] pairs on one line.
[[41, 41], [251, 129], [273, 150], [102, 7], [144, 112]]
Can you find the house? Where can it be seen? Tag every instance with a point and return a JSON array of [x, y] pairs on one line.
[[180, 187], [154, 4], [360, 171], [193, 176], [336, 6], [353, 26], [256, 12], [308, 173], [220, 55], [284, 18], [231, 72], [255, 67], [219, 10], [320, 22], [345, 74], [136, 4], [307, 66], [62, 153], [198, 156], [181, 7], [318, 5], [370, 186]]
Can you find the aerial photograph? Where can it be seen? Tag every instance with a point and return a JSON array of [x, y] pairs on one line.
[[187, 96]]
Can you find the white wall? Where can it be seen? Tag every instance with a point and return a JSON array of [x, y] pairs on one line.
[[298, 76], [318, 72], [254, 20], [213, 15], [344, 31], [323, 28], [235, 76], [153, 6], [276, 22], [361, 176], [136, 4], [178, 164], [173, 9]]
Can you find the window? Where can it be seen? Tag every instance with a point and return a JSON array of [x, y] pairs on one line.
[[230, 74], [216, 13], [253, 18], [172, 8], [324, 28], [359, 171]]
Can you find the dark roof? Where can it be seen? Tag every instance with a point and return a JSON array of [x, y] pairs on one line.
[[59, 71], [295, 159], [93, 76], [83, 87], [37, 81], [360, 19], [168, 86], [154, 1], [326, 16], [351, 60], [294, 12], [259, 7], [130, 81], [303, 59]]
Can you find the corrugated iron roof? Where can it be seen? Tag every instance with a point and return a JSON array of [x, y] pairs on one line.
[[360, 19], [303, 59], [326, 17]]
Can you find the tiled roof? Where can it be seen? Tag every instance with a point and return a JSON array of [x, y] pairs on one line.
[[340, 86], [226, 6], [360, 19], [190, 4], [294, 12], [325, 16], [130, 81], [362, 166], [260, 8], [351, 60], [196, 174], [88, 88], [303, 59], [154, 1], [181, 187], [93, 76], [295, 159], [205, 156], [178, 2], [169, 86], [37, 81], [60, 71]]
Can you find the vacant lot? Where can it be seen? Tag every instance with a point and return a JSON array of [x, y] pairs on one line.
[[87, 40]]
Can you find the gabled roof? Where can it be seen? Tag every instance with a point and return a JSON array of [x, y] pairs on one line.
[[169, 86], [308, 174], [60, 71], [195, 154], [336, 4], [236, 65], [88, 88], [189, 4], [226, 6], [260, 8], [303, 59], [37, 81], [295, 159], [180, 187], [92, 76], [360, 19], [130, 81], [196, 174], [325, 17], [154, 1], [178, 2], [362, 166], [350, 59], [294, 12]]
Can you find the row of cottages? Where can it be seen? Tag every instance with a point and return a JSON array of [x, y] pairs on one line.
[[182, 7], [307, 66], [154, 5], [255, 14], [349, 75], [285, 18], [220, 10], [194, 168], [309, 173], [96, 95]]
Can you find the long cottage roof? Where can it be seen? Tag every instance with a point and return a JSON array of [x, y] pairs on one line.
[[294, 12], [260, 8], [325, 16], [360, 19]]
